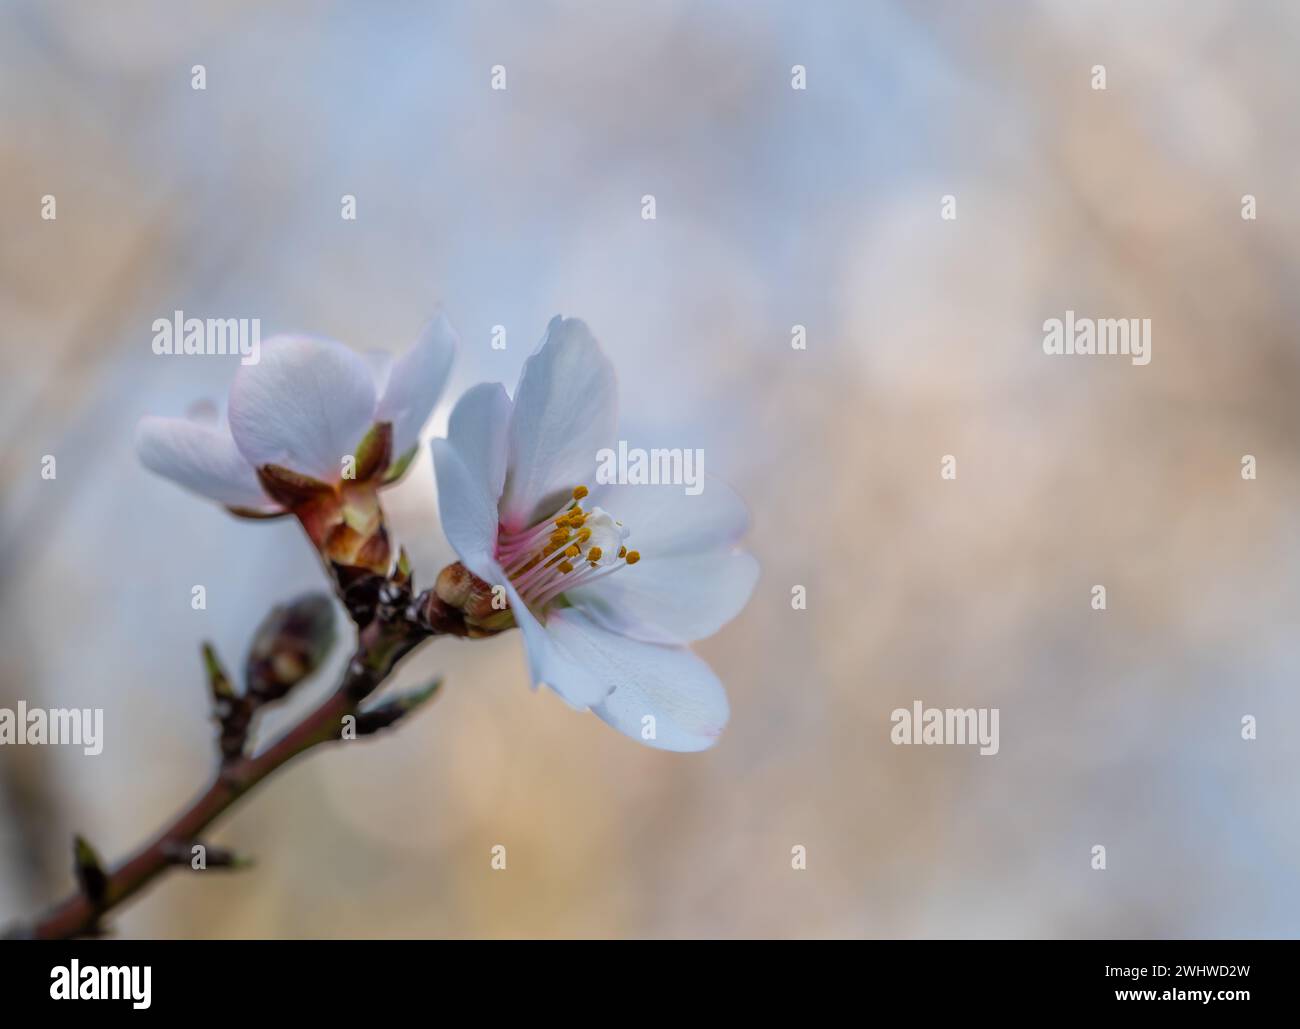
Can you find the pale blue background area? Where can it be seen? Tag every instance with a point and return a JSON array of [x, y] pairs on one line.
[[775, 207]]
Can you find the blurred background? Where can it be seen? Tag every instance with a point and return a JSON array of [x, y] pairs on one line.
[[775, 207]]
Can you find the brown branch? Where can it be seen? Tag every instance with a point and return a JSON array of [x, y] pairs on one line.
[[398, 627]]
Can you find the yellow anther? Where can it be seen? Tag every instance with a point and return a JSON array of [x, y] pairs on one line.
[[622, 551], [572, 552], [550, 549], [633, 557], [584, 535], [559, 536], [593, 555], [565, 567], [579, 492]]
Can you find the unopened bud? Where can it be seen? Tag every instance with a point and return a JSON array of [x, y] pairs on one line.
[[291, 643], [455, 584], [459, 588]]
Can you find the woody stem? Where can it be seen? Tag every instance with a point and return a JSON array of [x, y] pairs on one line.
[[381, 644]]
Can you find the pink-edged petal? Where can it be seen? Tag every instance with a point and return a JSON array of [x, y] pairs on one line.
[[480, 423], [647, 681], [201, 457], [565, 412], [469, 515], [415, 382], [675, 599], [665, 521], [305, 406]]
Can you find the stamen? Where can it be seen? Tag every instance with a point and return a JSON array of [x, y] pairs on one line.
[[583, 578], [571, 548]]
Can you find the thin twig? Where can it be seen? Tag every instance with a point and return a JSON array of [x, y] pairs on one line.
[[396, 630]]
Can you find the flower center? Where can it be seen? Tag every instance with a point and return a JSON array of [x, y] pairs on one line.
[[573, 547]]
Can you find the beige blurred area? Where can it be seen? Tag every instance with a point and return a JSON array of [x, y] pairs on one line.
[[775, 207]]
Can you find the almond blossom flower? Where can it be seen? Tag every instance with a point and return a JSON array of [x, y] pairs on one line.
[[313, 429], [607, 583]]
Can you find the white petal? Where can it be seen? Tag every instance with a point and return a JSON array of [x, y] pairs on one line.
[[665, 520], [565, 411], [380, 363], [670, 684], [549, 663], [415, 383], [201, 457], [306, 405], [480, 424], [469, 515], [673, 599], [469, 521]]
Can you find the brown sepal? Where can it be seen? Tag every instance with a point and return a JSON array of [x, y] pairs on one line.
[[289, 487], [375, 451]]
